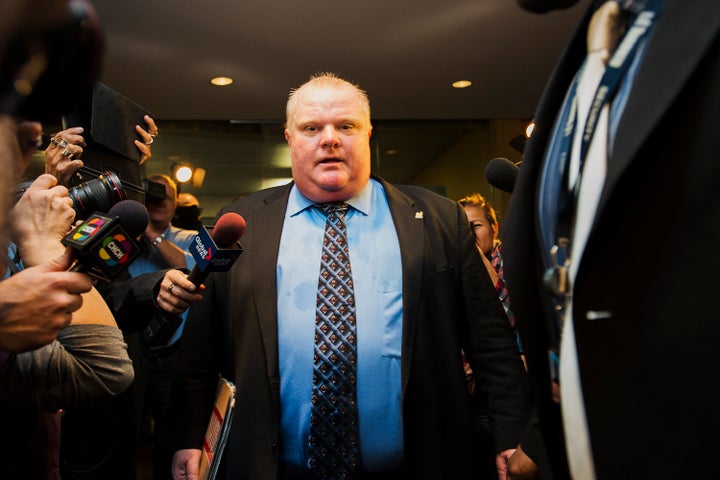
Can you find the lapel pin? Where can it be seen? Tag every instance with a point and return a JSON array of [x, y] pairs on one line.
[[419, 215]]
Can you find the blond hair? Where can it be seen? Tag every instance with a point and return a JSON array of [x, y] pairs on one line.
[[325, 80]]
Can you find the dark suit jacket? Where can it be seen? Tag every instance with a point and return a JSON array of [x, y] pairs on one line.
[[448, 303], [651, 260]]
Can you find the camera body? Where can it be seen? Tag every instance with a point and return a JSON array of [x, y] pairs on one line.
[[154, 191], [102, 191]]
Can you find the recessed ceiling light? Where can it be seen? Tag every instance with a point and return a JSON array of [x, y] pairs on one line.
[[462, 84], [221, 81]]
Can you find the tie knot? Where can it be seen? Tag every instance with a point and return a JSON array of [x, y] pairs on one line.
[[333, 207]]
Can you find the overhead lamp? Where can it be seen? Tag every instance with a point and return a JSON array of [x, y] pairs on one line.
[[462, 84], [221, 81]]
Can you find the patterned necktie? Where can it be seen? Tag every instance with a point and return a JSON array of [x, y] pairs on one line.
[[333, 443]]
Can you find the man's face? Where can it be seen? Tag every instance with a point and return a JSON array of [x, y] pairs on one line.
[[162, 212], [329, 138]]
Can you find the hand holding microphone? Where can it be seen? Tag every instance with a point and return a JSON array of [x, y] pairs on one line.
[[40, 219], [176, 292], [105, 244], [219, 252], [212, 254]]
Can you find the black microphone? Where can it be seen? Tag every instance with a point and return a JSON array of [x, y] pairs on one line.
[[105, 244], [501, 173], [219, 252], [133, 215]]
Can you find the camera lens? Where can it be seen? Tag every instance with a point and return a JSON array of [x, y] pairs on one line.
[[98, 194]]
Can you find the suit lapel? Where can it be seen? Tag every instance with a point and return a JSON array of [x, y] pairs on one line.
[[409, 224], [681, 39], [267, 221]]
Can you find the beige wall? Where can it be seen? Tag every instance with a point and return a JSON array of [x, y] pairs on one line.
[[461, 168]]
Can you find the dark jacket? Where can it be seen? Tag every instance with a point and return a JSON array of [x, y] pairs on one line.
[[650, 261], [448, 303]]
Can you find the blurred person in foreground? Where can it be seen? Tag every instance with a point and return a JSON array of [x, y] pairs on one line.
[[83, 358], [88, 361], [423, 295], [32, 32], [36, 303], [611, 282]]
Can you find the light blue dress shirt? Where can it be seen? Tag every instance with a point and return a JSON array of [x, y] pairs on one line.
[[377, 275]]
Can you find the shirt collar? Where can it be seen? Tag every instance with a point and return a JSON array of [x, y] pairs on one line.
[[297, 202]]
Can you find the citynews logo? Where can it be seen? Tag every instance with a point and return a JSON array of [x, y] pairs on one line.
[[115, 249]]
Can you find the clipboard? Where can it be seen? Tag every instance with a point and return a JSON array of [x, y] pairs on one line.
[[218, 428]]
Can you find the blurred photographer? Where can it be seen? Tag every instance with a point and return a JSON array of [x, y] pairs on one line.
[[36, 303], [41, 303]]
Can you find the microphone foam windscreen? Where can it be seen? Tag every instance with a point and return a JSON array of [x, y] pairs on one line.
[[132, 214], [501, 173], [228, 229]]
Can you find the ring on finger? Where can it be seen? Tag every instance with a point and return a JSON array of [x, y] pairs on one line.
[[155, 134], [59, 142], [150, 142], [170, 287], [66, 153]]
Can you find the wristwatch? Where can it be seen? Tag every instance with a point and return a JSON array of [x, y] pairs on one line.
[[157, 240]]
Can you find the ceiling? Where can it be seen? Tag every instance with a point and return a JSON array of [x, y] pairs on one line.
[[404, 53]]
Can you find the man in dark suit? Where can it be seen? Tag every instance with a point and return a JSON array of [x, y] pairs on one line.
[[422, 295], [636, 353]]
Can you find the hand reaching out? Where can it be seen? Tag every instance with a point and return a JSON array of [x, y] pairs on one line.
[[38, 302]]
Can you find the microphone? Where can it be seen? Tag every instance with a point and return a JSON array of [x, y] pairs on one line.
[[219, 252], [501, 173], [133, 215], [212, 254], [105, 244]]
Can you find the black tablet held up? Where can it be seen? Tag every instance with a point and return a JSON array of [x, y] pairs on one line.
[[109, 122], [113, 120]]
